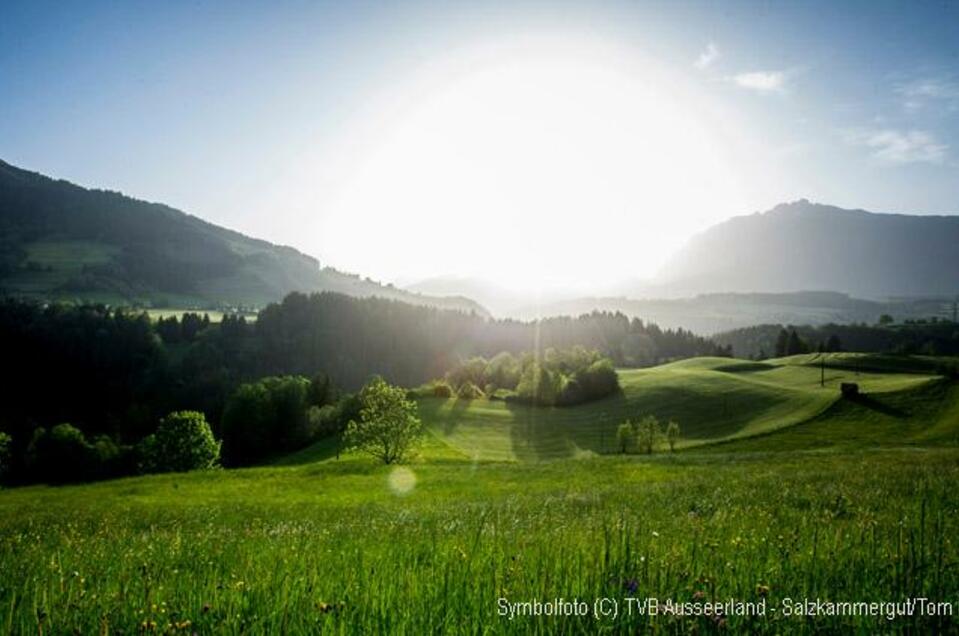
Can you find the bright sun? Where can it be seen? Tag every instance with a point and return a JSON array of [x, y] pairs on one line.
[[534, 164]]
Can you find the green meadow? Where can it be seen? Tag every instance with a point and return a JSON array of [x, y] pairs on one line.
[[780, 491], [713, 399]]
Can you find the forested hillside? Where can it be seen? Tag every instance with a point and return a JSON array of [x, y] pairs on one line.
[[61, 241]]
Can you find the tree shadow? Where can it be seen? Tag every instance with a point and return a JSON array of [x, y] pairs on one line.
[[541, 432], [320, 450], [873, 404], [454, 414]]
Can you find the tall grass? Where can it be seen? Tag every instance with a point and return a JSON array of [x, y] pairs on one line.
[[330, 547]]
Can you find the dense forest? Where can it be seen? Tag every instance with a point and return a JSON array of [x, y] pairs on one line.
[[115, 374]]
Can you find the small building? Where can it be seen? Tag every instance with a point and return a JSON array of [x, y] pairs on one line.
[[849, 389]]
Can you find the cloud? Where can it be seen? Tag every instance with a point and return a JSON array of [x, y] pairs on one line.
[[917, 94], [762, 81], [707, 57], [900, 146]]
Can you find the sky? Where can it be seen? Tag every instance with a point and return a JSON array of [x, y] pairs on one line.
[[534, 145]]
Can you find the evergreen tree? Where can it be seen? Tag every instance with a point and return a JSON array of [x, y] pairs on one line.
[[795, 345], [782, 343]]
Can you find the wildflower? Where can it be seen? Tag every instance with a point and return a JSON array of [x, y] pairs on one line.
[[631, 585]]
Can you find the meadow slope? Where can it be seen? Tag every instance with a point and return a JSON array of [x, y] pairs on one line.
[[713, 399]]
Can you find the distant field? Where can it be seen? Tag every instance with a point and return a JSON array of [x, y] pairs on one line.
[[53, 263], [713, 400], [69, 255], [783, 491], [215, 316]]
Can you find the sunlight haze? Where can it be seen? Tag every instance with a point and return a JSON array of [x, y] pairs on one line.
[[517, 155]]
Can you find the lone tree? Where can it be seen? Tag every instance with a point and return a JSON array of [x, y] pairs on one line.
[[672, 435], [388, 426], [625, 436], [648, 433]]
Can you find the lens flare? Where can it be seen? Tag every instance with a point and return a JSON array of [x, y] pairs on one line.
[[402, 480]]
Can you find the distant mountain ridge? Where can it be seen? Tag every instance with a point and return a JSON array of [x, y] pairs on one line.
[[60, 240], [707, 314], [801, 246], [761, 268]]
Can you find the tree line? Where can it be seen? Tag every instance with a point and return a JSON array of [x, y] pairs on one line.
[[939, 338]]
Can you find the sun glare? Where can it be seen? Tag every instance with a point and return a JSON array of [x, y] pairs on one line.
[[534, 164]]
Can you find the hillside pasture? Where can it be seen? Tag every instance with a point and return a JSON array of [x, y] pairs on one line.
[[713, 400]]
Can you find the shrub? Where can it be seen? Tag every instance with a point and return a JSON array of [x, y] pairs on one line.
[[469, 391], [648, 433], [113, 459], [625, 437], [471, 371], [61, 454], [672, 435], [442, 389], [598, 380], [571, 393], [538, 385], [183, 441], [503, 370]]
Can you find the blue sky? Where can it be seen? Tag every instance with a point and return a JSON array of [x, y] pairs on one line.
[[255, 115]]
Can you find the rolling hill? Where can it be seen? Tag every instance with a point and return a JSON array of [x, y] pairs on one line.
[[721, 404], [718, 402], [61, 241], [807, 246]]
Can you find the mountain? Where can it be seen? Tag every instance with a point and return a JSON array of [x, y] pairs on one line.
[[59, 240], [802, 246]]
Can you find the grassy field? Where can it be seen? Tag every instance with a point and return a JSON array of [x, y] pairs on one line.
[[713, 400], [830, 499]]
